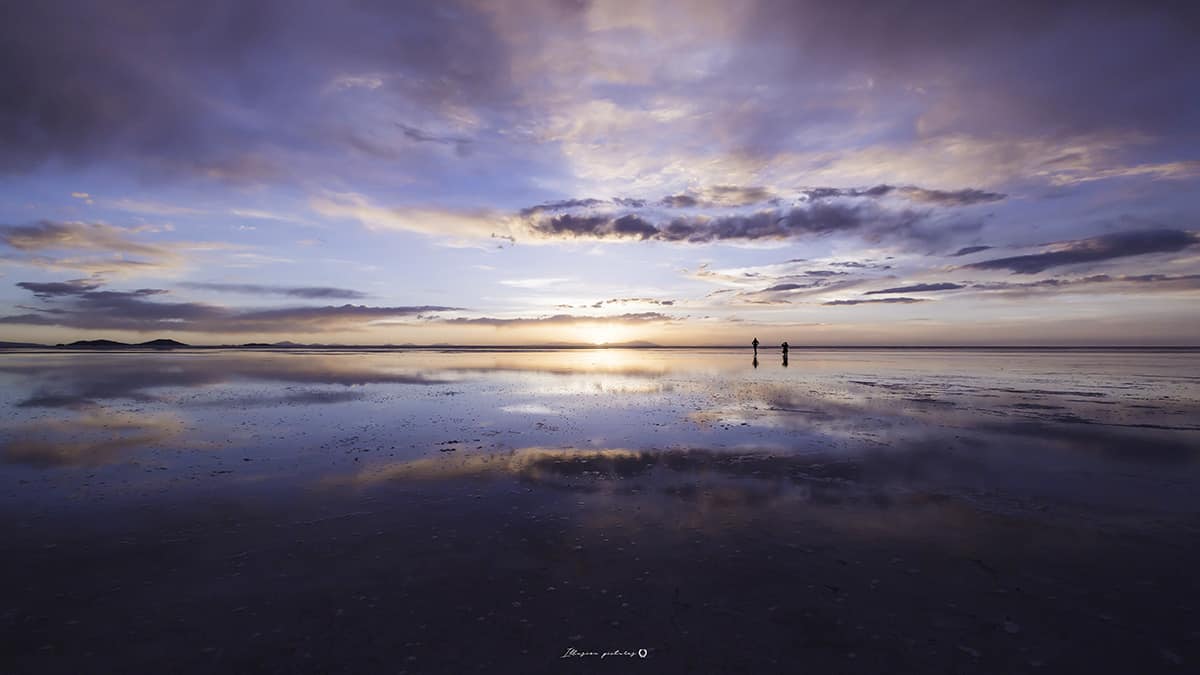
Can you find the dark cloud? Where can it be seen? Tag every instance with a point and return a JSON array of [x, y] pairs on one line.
[[813, 194], [738, 195], [58, 288], [786, 287], [854, 264], [629, 202], [596, 226], [814, 219], [311, 292], [968, 250], [900, 301], [918, 288], [80, 306], [719, 196], [564, 205], [679, 201], [1023, 68], [966, 197], [951, 197], [219, 88], [726, 220], [1139, 283], [461, 144], [1095, 249]]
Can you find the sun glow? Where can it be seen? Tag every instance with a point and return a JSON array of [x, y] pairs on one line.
[[604, 333]]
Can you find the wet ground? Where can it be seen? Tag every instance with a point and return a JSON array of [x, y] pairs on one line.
[[894, 511]]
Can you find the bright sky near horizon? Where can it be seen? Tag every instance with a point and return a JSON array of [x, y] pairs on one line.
[[820, 171]]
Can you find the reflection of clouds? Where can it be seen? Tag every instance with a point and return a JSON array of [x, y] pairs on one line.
[[96, 436], [82, 379], [1145, 446], [825, 477], [882, 493], [528, 409]]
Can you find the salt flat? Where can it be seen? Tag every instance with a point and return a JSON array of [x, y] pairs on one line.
[[689, 510]]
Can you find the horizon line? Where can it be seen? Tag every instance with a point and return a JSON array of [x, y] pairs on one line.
[[285, 345]]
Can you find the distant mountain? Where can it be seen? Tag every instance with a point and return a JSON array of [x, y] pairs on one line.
[[97, 344], [161, 343], [166, 343]]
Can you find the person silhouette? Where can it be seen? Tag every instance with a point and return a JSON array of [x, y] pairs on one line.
[[785, 351], [755, 345]]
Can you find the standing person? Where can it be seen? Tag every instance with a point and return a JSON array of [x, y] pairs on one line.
[[755, 345], [785, 348]]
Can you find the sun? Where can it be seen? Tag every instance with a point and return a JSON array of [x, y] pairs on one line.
[[603, 333]]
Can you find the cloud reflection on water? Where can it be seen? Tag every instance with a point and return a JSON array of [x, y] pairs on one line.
[[1059, 424]]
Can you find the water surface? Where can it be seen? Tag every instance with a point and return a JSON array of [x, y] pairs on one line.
[[447, 511]]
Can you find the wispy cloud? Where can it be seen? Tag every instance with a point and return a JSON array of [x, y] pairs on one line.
[[312, 292], [535, 283], [918, 288], [899, 301], [82, 305], [560, 319]]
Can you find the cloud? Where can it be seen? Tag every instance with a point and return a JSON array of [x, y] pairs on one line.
[[81, 306], [594, 227], [98, 248], [632, 301], [461, 145], [469, 224], [679, 201], [1100, 283], [968, 250], [901, 301], [534, 283], [58, 288], [774, 224], [83, 90], [719, 196], [312, 292], [966, 197], [816, 193], [566, 204], [979, 70], [560, 319], [918, 288], [1095, 249], [47, 234], [723, 216]]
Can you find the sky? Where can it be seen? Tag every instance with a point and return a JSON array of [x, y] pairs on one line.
[[826, 172]]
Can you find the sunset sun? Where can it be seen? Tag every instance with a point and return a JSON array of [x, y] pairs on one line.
[[604, 334]]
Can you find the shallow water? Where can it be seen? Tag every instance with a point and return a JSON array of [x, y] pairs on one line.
[[447, 511]]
